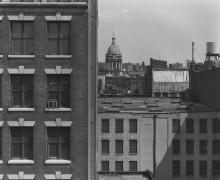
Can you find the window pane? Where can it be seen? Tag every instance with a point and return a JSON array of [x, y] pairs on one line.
[[53, 96], [119, 146], [216, 125], [203, 168], [16, 134], [52, 82], [65, 99], [216, 168], [105, 146], [216, 146], [16, 29], [52, 47], [203, 146], [27, 135], [105, 166], [28, 151], [189, 125], [203, 126], [189, 146], [133, 146], [119, 125], [64, 30], [176, 125], [64, 83], [16, 99], [52, 150], [52, 134], [16, 82], [176, 146], [64, 46], [17, 46], [119, 166], [176, 168], [65, 135], [16, 151], [28, 99], [28, 46], [132, 165], [27, 82], [65, 151], [189, 168], [105, 126], [28, 30], [52, 29], [133, 125]]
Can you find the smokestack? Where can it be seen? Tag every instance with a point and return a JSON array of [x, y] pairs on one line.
[[193, 58]]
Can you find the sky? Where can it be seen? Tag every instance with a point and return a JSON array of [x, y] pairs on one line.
[[159, 29]]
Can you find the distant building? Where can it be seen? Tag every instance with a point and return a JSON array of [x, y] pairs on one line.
[[176, 65], [113, 56], [154, 63], [167, 82], [138, 138]]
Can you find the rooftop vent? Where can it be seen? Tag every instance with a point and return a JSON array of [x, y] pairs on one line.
[[112, 109], [118, 105], [155, 109], [106, 101]]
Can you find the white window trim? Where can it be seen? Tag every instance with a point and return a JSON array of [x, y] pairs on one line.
[[21, 175], [1, 17], [20, 161], [58, 109], [1, 70], [21, 123], [1, 123], [58, 70], [58, 123], [21, 109], [57, 161], [57, 175], [1, 176], [21, 17], [20, 70], [58, 56], [58, 17], [21, 56]]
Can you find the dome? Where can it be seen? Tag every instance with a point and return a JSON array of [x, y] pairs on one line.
[[113, 49]]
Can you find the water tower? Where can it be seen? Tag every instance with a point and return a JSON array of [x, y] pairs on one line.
[[212, 54]]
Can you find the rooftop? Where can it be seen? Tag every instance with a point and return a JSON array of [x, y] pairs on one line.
[[149, 105]]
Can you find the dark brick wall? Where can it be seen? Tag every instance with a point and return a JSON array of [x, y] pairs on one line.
[[79, 90]]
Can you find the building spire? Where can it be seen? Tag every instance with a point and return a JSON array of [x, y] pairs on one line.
[[113, 39]]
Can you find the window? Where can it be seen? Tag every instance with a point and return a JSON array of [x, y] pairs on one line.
[[58, 38], [119, 125], [203, 126], [132, 165], [105, 166], [203, 146], [189, 146], [203, 168], [133, 125], [105, 146], [176, 168], [118, 166], [176, 146], [176, 126], [105, 125], [22, 34], [22, 90], [189, 125], [58, 87], [0, 142], [21, 142], [216, 168], [216, 125], [133, 146], [189, 168], [216, 146], [0, 37], [58, 142], [119, 146]]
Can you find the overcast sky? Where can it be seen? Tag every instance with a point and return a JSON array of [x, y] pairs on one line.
[[160, 29]]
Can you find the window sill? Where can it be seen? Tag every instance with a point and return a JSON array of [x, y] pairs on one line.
[[132, 154], [21, 109], [1, 109], [58, 109], [58, 56], [1, 162], [1, 56], [21, 56], [57, 161], [20, 161]]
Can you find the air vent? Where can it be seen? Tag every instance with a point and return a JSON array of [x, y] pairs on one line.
[[52, 103], [155, 109], [112, 109], [118, 105]]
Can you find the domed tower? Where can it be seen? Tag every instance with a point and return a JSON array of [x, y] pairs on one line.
[[113, 57]]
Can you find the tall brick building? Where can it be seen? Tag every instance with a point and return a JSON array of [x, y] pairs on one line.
[[48, 97]]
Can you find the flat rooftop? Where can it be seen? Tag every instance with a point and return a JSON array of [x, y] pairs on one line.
[[149, 105]]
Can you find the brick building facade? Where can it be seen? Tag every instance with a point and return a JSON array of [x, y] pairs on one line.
[[48, 97]]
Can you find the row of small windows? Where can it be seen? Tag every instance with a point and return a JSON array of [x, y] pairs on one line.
[[203, 146], [119, 126], [22, 37], [119, 146], [21, 143], [189, 170], [189, 126], [118, 166], [58, 90]]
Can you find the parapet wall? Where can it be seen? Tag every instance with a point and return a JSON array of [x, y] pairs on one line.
[[206, 87]]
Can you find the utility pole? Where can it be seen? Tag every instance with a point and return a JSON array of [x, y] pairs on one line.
[[154, 144]]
